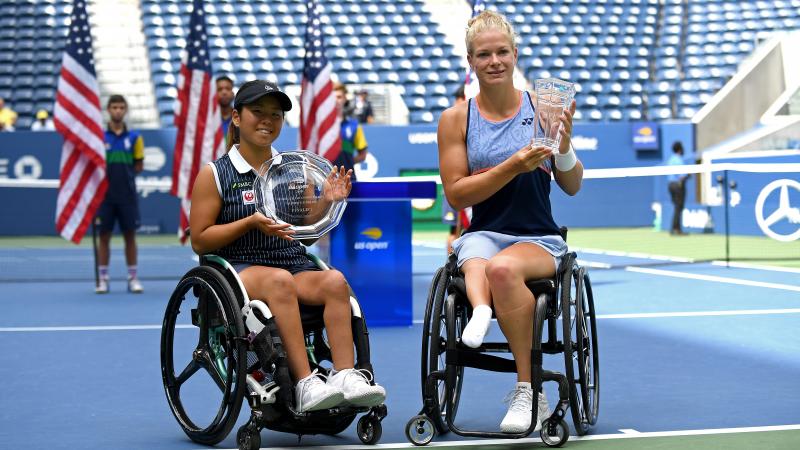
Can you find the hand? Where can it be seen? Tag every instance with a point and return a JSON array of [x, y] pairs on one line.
[[270, 227], [566, 130], [529, 158], [338, 184]]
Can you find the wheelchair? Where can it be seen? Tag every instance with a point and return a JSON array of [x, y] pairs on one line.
[[236, 343], [568, 297]]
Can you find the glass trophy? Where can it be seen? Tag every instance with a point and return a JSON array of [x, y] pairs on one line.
[[553, 96], [299, 188]]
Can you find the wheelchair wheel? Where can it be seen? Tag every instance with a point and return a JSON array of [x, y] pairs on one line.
[[580, 348], [434, 342], [204, 355]]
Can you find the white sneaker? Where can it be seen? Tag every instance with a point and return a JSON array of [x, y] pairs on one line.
[[311, 394], [355, 383], [135, 286], [518, 417], [102, 286]]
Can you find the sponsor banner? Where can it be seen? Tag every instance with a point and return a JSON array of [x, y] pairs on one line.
[[644, 136]]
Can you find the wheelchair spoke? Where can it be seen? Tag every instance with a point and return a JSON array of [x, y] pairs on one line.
[[187, 372]]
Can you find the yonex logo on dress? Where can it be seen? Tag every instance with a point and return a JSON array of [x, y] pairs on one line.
[[527, 121]]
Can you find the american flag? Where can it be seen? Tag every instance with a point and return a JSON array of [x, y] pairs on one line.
[[471, 87], [78, 118], [197, 115], [319, 120]]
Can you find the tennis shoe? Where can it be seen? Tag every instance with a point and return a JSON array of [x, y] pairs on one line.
[[311, 394], [135, 286], [102, 286], [518, 417], [357, 387]]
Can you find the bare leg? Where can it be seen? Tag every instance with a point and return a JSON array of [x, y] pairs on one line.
[[130, 247], [103, 248], [329, 288], [277, 288], [513, 301]]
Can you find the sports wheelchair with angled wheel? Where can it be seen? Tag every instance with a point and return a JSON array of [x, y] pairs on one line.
[[564, 300], [219, 347]]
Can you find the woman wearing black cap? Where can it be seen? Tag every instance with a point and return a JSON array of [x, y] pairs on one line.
[[270, 263]]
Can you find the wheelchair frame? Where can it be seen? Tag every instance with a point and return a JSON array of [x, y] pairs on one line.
[[446, 315], [238, 343]]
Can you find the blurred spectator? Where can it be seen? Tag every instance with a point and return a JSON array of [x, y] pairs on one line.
[[225, 100], [362, 108], [7, 117], [354, 144], [677, 188], [43, 122]]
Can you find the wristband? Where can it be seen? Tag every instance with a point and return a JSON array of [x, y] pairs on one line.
[[566, 161]]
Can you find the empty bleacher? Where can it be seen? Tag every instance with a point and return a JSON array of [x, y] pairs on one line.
[[631, 59]]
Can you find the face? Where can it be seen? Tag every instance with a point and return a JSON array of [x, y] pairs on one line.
[[341, 99], [117, 111], [493, 57], [224, 92], [260, 122]]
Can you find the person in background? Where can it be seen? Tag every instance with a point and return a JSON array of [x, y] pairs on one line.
[[362, 107], [354, 144], [677, 188], [7, 117], [43, 121], [124, 159], [225, 100], [487, 161]]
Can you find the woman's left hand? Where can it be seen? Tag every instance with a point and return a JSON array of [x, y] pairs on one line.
[[566, 129], [338, 184]]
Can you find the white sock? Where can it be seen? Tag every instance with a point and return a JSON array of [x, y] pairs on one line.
[[524, 384], [477, 327]]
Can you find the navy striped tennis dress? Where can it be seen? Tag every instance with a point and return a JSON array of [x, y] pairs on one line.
[[234, 178]]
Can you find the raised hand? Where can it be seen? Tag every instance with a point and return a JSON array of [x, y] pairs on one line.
[[270, 227], [566, 129], [338, 184]]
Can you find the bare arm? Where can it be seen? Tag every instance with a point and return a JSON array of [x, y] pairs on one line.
[[206, 235], [462, 189]]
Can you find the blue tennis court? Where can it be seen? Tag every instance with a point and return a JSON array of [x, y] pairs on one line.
[[683, 347]]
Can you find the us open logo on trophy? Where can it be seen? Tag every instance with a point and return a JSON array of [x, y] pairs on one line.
[[300, 188]]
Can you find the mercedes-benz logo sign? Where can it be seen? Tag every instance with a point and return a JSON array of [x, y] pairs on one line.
[[785, 210]]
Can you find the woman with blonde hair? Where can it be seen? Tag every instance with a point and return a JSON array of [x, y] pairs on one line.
[[487, 161]]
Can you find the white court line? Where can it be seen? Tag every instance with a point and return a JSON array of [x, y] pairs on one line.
[[739, 265], [595, 251], [693, 276], [741, 312], [88, 328], [628, 434], [656, 315]]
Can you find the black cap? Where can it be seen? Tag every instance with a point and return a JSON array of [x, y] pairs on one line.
[[255, 89]]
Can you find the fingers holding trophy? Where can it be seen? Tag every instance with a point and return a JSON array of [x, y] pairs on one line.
[[304, 190]]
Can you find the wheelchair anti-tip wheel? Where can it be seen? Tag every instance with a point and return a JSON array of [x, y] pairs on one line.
[[580, 348], [420, 430], [204, 355], [434, 342]]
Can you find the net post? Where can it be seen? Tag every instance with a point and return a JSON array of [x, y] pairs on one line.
[[726, 199]]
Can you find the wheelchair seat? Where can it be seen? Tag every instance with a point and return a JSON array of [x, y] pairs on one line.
[[211, 322]]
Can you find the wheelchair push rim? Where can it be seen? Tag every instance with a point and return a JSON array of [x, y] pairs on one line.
[[219, 353], [580, 348], [434, 340]]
